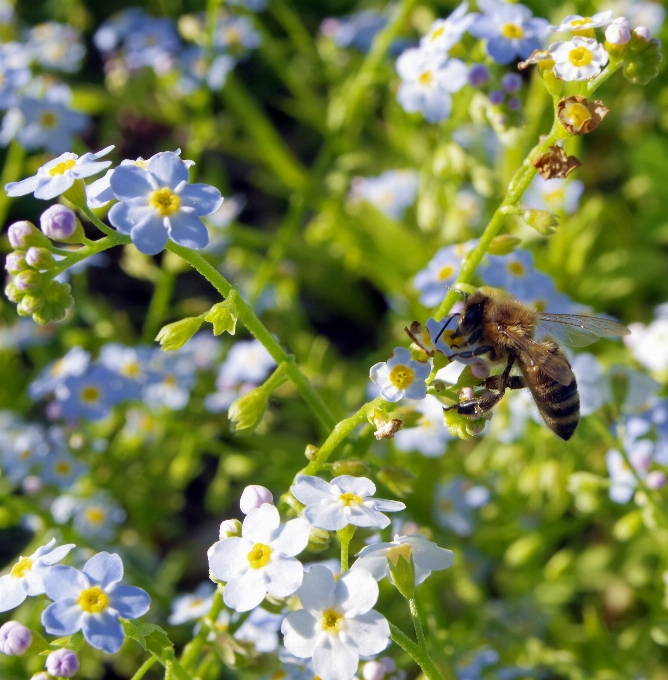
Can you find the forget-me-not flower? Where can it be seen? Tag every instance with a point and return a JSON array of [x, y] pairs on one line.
[[510, 30], [92, 600], [189, 606], [578, 59], [391, 192], [157, 203], [442, 271], [401, 376], [430, 436], [427, 83], [26, 577], [354, 30], [56, 46], [75, 362], [446, 33]]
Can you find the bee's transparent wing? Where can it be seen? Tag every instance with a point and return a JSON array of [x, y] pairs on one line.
[[535, 354], [578, 330]]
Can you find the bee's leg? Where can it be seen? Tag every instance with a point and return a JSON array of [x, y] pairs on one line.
[[470, 353], [515, 382], [447, 323], [477, 407]]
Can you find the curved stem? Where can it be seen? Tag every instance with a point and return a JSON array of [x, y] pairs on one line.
[[158, 307], [345, 536], [417, 624], [143, 669], [191, 652], [419, 655]]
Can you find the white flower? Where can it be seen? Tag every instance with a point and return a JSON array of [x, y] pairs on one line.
[[401, 376], [575, 23], [336, 625], [254, 496], [593, 387], [261, 561], [27, 575], [58, 175], [229, 528], [261, 628], [578, 59], [428, 81], [391, 192], [192, 606], [649, 344], [346, 500], [619, 32], [430, 437], [427, 557], [446, 33]]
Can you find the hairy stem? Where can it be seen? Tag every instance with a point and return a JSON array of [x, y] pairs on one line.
[[419, 655], [415, 614]]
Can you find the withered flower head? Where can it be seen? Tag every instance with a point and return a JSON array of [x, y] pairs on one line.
[[541, 57], [389, 429], [579, 116], [421, 337], [555, 163]]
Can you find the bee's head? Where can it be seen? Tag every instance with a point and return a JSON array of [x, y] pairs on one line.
[[471, 317]]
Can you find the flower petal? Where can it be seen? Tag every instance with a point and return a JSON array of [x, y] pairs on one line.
[[61, 582], [228, 558], [299, 630], [308, 489], [360, 486], [329, 517], [149, 237], [260, 523], [292, 537], [317, 591], [203, 198], [54, 187], [12, 592], [245, 592], [104, 569], [103, 631], [130, 602], [356, 592], [63, 618], [188, 230], [131, 181], [25, 186], [168, 169], [334, 660], [285, 576], [370, 632]]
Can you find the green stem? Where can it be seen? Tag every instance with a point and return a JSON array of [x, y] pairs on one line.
[[419, 655], [415, 614], [141, 671], [118, 239], [518, 185], [82, 253], [157, 309], [191, 652], [11, 172], [247, 316], [339, 432], [345, 536]]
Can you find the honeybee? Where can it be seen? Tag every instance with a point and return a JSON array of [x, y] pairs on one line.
[[504, 329]]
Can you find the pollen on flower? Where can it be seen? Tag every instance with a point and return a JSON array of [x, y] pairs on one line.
[[165, 201], [438, 33], [332, 621], [349, 498], [512, 31], [93, 600], [581, 22], [131, 370], [401, 376], [259, 556], [426, 78], [49, 119], [516, 268], [577, 114], [21, 568], [446, 272], [90, 394], [402, 550], [60, 168], [580, 56], [63, 468], [95, 515]]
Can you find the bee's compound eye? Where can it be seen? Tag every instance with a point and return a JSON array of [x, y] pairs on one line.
[[472, 318]]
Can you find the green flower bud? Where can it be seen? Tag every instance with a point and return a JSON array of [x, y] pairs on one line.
[[402, 570], [29, 305], [462, 426], [24, 235], [356, 468], [246, 412], [542, 221], [586, 481], [40, 258], [57, 300], [15, 262], [13, 293], [174, 335], [399, 480], [628, 526], [503, 244], [311, 451], [76, 194], [318, 540], [552, 84], [223, 316], [643, 60], [29, 281]]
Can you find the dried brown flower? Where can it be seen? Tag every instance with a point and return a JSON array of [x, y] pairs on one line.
[[579, 116], [555, 163]]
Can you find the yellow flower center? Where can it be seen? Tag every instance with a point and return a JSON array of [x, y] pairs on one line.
[[259, 555], [332, 621], [131, 370], [233, 36], [48, 120], [426, 78], [24, 455], [164, 201], [516, 268], [577, 114], [512, 31], [580, 22], [540, 305], [403, 550], [446, 272], [447, 505], [95, 515], [60, 168], [141, 163], [438, 33], [349, 498], [90, 394], [63, 468], [580, 56], [170, 381], [93, 600], [21, 568], [401, 377]]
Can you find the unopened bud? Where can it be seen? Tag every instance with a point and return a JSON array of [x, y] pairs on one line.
[[402, 569], [511, 82], [356, 468], [29, 281], [617, 35], [318, 540], [461, 426], [30, 304], [230, 528], [254, 496], [503, 244], [642, 64], [642, 33], [481, 369], [247, 411], [174, 335], [40, 258], [580, 482], [13, 293], [63, 663], [42, 675], [223, 316], [311, 451], [23, 235], [15, 638], [478, 75], [15, 262], [656, 479], [61, 224], [542, 221], [57, 301], [373, 670]]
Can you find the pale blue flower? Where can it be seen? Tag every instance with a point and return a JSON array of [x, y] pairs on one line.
[[58, 175], [95, 518], [554, 195], [454, 502], [157, 203], [74, 363], [246, 362], [26, 578], [401, 376], [509, 29], [432, 282], [427, 82], [429, 436], [61, 469], [593, 385], [261, 628], [196, 70], [170, 380], [132, 363], [113, 32], [392, 192], [192, 606], [235, 35], [622, 480], [56, 46], [471, 668], [151, 42], [13, 76], [22, 451], [25, 333], [444, 34], [354, 30], [92, 601]]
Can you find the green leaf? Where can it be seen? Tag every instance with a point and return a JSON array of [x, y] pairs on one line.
[[152, 638], [74, 642]]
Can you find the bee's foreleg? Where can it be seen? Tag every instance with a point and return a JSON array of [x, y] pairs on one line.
[[479, 406], [514, 382]]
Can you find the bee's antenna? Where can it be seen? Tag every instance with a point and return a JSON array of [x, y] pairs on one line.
[[461, 292], [447, 323]]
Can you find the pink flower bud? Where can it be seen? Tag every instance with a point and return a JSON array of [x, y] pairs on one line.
[[480, 370], [62, 663], [656, 479], [15, 638], [643, 33], [253, 497], [17, 234], [617, 34], [15, 262], [373, 670], [466, 393], [58, 222]]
